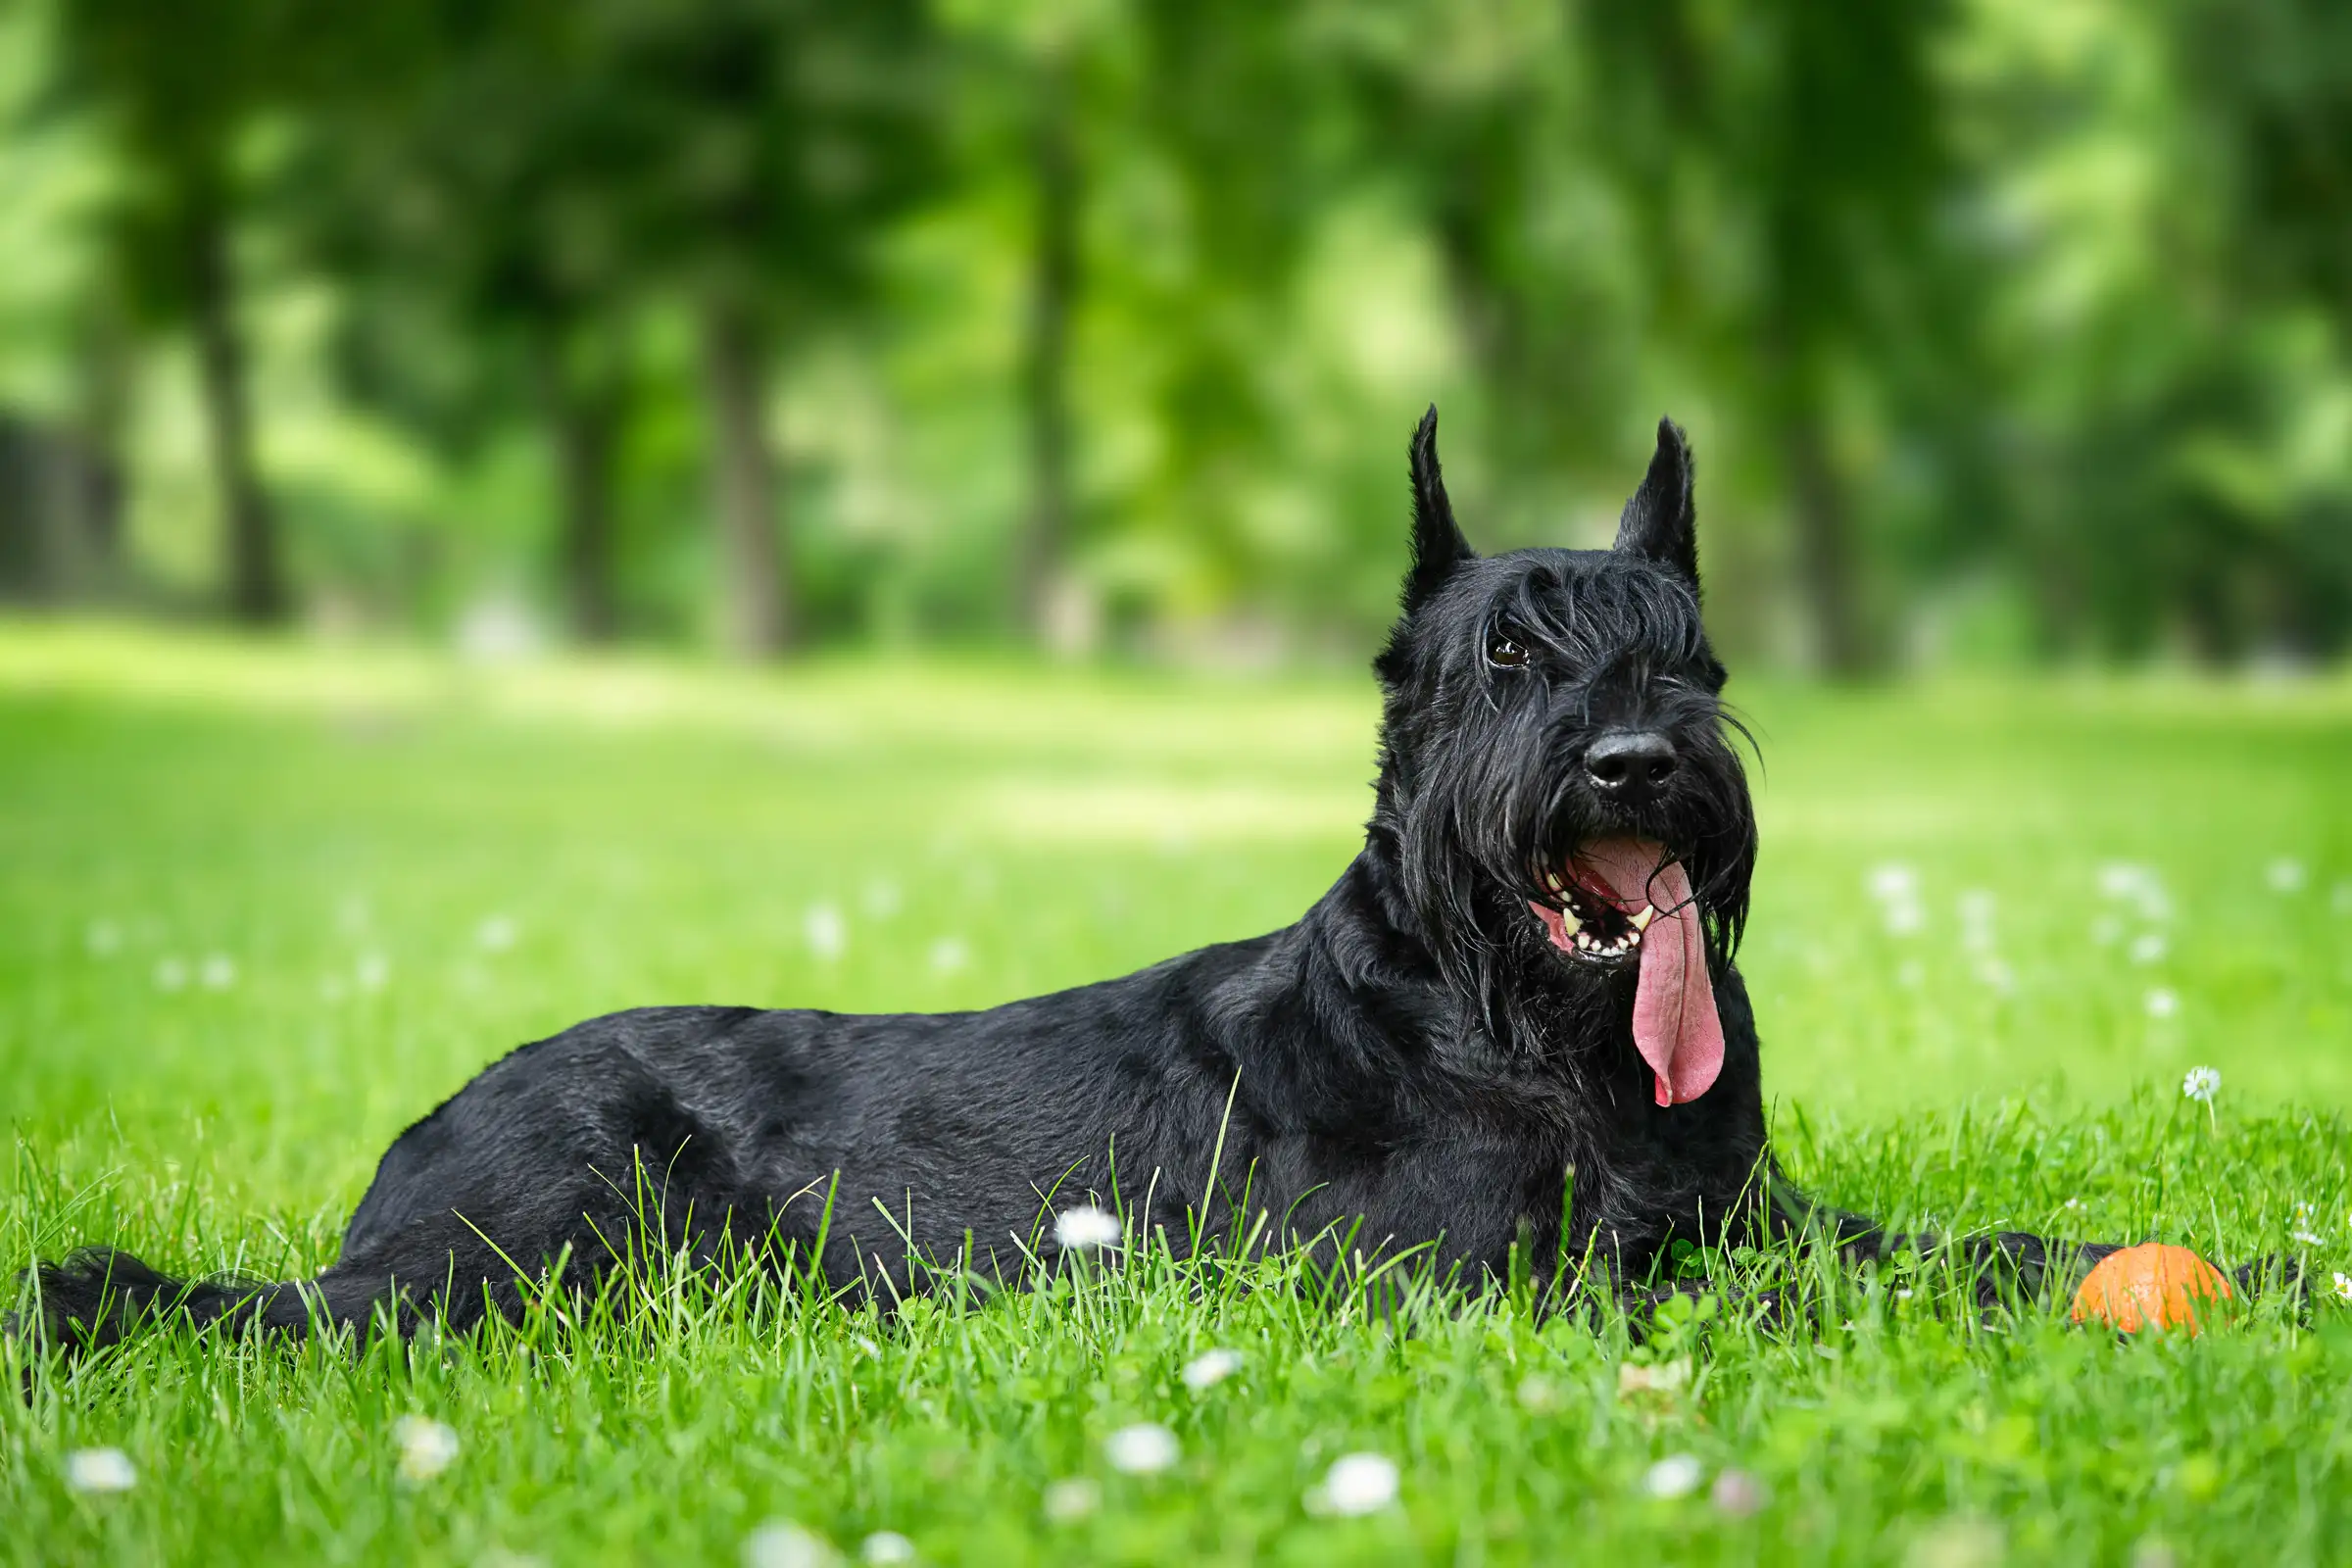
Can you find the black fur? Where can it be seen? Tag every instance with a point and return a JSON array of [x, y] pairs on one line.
[[1412, 1054]]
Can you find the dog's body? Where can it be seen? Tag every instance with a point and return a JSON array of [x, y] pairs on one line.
[[1526, 972]]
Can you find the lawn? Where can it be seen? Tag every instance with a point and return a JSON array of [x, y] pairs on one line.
[[261, 907]]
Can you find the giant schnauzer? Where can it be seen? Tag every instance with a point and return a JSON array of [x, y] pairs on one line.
[[1525, 973]]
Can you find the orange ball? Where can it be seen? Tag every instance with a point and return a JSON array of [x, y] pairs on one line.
[[2150, 1283]]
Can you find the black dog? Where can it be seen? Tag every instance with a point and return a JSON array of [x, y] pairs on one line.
[[1527, 971]]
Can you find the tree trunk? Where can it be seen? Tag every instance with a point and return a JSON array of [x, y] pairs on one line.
[[583, 413], [256, 591], [755, 603], [1818, 504], [104, 355], [1053, 295], [1825, 541]]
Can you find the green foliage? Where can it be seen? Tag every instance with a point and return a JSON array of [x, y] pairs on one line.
[[259, 912], [2007, 330]]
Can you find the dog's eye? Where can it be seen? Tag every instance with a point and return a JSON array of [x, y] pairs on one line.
[[1504, 652]]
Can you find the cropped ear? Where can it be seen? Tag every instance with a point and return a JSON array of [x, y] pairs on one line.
[[1438, 544], [1658, 522]]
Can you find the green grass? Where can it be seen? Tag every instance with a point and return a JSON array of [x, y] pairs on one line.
[[259, 909]]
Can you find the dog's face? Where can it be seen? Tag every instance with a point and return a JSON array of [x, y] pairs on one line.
[[1557, 774]]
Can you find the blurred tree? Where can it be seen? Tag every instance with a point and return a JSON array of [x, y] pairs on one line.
[[1476, 112], [1799, 141], [757, 147], [541, 171], [2149, 187], [1057, 191], [466, 177], [1035, 71], [1229, 178], [2271, 80], [2269, 89], [2043, 308], [181, 88]]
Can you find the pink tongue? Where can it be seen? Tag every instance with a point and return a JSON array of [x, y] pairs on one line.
[[1676, 1027]]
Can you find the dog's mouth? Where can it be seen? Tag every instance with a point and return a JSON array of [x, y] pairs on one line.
[[1588, 925], [1628, 900], [1609, 896]]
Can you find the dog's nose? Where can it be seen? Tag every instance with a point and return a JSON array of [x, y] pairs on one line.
[[1631, 765]]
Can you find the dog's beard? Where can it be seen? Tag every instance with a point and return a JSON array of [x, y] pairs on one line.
[[1489, 858]]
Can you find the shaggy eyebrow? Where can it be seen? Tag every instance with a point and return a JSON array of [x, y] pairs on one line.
[[1661, 612]]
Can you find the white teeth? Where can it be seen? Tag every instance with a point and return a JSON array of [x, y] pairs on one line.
[[1641, 920], [1551, 880]]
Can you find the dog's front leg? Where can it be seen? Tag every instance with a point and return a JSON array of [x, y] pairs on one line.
[[2001, 1268]]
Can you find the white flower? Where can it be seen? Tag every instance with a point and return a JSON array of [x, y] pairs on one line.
[[495, 934], [2139, 886], [1143, 1450], [1896, 888], [426, 1446], [373, 970], [827, 932], [1359, 1484], [2285, 875], [1675, 1476], [1893, 881], [1538, 1394], [1072, 1498], [2162, 1002], [950, 955], [217, 972], [781, 1543], [170, 974], [1210, 1368], [2148, 948], [2202, 1084], [111, 1469], [1084, 1228], [2307, 1239], [2118, 879], [887, 1545], [1738, 1493], [2343, 1286]]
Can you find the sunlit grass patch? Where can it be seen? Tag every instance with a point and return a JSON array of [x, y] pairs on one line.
[[258, 912], [1363, 1415]]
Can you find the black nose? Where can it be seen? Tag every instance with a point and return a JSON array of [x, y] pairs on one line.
[[1629, 766]]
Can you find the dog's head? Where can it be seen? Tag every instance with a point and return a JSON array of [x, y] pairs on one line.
[[1564, 805]]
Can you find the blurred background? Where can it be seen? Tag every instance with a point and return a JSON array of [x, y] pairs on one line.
[[989, 380], [2008, 332]]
